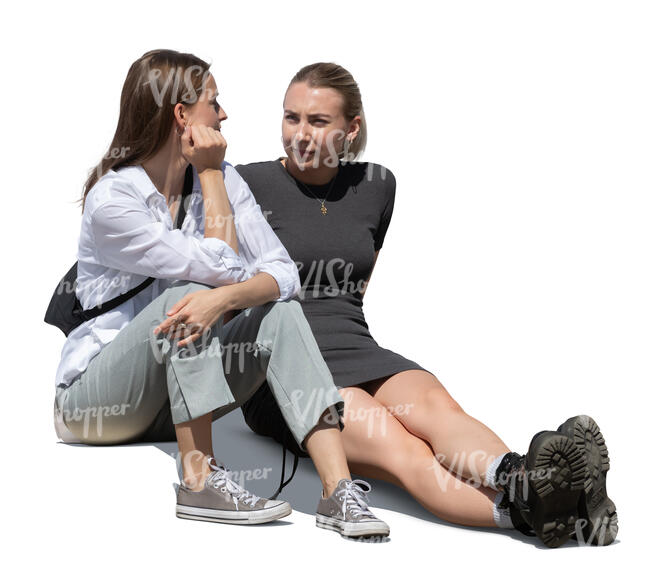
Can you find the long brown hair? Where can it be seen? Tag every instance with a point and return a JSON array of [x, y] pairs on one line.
[[333, 76], [155, 83]]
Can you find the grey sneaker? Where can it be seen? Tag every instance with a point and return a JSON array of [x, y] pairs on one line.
[[224, 501], [346, 511]]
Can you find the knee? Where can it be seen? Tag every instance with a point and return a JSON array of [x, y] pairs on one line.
[[437, 401], [408, 454], [287, 307], [287, 312]]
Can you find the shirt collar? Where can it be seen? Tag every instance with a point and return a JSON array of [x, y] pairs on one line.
[[139, 177]]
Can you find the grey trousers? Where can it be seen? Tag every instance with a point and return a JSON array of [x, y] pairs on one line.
[[140, 384]]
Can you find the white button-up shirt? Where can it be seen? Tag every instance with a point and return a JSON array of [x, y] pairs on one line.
[[127, 236]]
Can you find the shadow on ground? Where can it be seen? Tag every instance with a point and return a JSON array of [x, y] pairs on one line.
[[257, 461]]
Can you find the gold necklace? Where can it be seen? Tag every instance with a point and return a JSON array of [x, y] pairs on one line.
[[323, 208]]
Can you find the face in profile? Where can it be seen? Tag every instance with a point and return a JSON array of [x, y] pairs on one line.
[[313, 126], [206, 109]]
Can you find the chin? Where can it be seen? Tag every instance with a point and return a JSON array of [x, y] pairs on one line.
[[312, 163]]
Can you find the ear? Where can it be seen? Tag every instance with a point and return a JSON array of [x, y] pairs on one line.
[[354, 128], [180, 117]]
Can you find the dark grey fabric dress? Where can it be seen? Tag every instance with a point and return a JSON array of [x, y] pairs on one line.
[[334, 252]]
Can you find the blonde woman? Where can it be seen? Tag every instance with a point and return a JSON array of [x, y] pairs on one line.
[[401, 424]]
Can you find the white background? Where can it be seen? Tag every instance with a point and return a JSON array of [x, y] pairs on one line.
[[519, 134]]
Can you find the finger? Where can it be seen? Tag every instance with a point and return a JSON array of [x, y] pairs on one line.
[[186, 331], [189, 340], [217, 136], [196, 134], [204, 136], [164, 326], [159, 328], [186, 139], [182, 302], [187, 326]]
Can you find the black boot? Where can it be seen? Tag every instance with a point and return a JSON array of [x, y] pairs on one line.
[[598, 523], [518, 522], [544, 485]]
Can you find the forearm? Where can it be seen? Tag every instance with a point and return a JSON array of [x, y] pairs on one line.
[[219, 220], [259, 289]]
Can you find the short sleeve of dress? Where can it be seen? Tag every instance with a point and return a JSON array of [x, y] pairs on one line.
[[387, 212]]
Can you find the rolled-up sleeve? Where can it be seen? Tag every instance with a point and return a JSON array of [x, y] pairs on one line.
[[259, 246], [129, 238]]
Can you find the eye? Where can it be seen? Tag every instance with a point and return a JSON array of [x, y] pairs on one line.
[[216, 106], [291, 117]]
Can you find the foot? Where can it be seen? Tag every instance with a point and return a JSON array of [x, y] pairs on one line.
[[598, 523], [224, 501], [544, 485], [346, 511]]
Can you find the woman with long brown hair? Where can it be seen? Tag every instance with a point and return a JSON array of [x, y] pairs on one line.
[[159, 365], [401, 425]]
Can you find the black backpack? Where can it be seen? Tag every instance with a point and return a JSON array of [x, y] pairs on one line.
[[65, 310]]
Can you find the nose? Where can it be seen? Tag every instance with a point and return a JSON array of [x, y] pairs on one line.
[[222, 114], [303, 133]]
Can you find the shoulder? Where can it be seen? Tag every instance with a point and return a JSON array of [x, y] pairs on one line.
[[373, 176], [255, 170], [113, 187]]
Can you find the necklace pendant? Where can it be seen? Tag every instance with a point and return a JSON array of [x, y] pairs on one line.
[[323, 209]]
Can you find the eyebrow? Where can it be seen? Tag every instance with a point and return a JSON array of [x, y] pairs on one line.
[[317, 115]]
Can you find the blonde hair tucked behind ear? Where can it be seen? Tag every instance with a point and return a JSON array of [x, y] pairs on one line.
[[334, 76]]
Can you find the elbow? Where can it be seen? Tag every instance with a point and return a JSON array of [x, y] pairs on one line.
[[286, 277], [295, 281]]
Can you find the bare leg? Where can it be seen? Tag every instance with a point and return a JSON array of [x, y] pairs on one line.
[[195, 447], [378, 446], [462, 443], [325, 446]]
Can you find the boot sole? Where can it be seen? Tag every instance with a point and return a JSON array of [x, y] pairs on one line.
[[556, 474], [598, 523]]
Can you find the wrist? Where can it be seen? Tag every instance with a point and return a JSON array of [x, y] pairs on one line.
[[208, 173], [228, 297]]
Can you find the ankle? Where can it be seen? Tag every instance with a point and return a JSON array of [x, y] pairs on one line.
[[330, 485], [195, 482], [196, 469]]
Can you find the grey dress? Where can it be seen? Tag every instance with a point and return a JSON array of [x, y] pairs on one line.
[[334, 252]]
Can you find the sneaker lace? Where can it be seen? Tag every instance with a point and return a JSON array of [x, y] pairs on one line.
[[353, 496], [222, 478]]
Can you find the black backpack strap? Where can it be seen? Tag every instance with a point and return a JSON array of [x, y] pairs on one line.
[[284, 483], [180, 217], [187, 191], [115, 302]]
